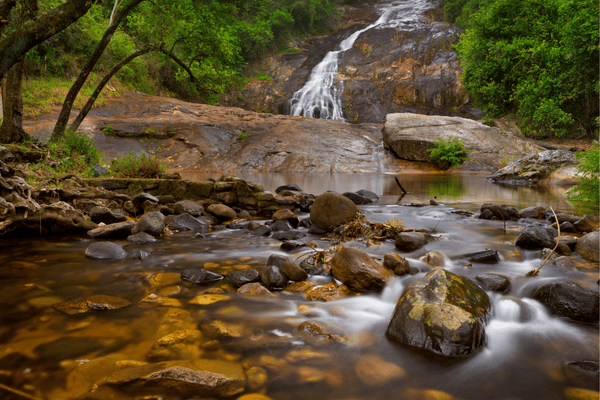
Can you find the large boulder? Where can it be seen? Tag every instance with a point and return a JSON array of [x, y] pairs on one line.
[[411, 135], [587, 246], [534, 167], [358, 270], [569, 300], [152, 223], [537, 236], [442, 312], [331, 210], [105, 251]]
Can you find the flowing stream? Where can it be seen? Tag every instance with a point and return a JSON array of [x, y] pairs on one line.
[[51, 355], [321, 95]]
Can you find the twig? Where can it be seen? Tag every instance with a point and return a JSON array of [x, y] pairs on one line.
[[534, 272], [18, 392], [401, 188]]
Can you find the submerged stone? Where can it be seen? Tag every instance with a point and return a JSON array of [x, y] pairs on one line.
[[200, 276], [358, 270], [96, 302], [105, 250], [442, 312]]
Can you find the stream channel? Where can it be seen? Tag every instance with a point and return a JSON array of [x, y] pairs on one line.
[[52, 355]]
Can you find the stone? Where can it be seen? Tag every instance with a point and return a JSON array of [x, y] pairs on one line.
[[288, 235], [139, 199], [331, 210], [372, 370], [368, 194], [537, 236], [357, 270], [587, 223], [574, 393], [357, 198], [116, 230], [587, 246], [105, 251], [186, 222], [286, 215], [535, 212], [534, 167], [277, 260], [5, 155], [200, 276], [188, 207], [254, 289], [292, 187], [293, 271], [567, 227], [564, 262], [273, 278], [483, 256], [141, 238], [86, 304], [411, 241], [99, 171], [166, 199], [262, 230], [243, 276], [329, 292], [67, 348], [494, 282], [397, 264], [442, 312], [568, 299], [433, 259], [501, 212], [180, 344], [222, 212], [152, 223], [291, 245], [100, 214], [280, 225]]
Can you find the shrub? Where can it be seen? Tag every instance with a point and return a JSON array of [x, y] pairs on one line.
[[75, 148], [448, 153], [138, 166], [589, 185]]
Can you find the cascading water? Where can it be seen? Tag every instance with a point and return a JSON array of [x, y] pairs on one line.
[[319, 98]]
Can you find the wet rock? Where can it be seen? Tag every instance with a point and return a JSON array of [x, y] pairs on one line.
[[587, 246], [286, 215], [587, 223], [292, 187], [166, 199], [105, 251], [573, 393], [567, 227], [560, 216], [483, 256], [291, 245], [116, 230], [199, 378], [329, 292], [569, 300], [139, 199], [188, 207], [534, 167], [280, 225], [368, 194], [411, 241], [358, 270], [587, 367], [357, 198], [152, 223], [141, 238], [397, 264], [277, 260], [434, 259], [186, 222], [293, 271], [442, 312], [243, 276], [103, 214], [331, 210], [253, 289], [494, 282], [537, 236], [181, 344], [262, 230], [222, 212], [372, 370], [500, 212], [564, 262], [288, 235], [67, 348], [200, 276], [535, 212], [91, 303], [273, 278], [99, 171]]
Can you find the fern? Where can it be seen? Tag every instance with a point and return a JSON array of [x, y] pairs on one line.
[[448, 153]]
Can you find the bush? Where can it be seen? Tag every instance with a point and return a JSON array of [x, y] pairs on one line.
[[589, 185], [75, 149], [138, 166], [448, 153]]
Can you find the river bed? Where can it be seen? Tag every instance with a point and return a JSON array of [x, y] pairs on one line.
[[48, 354]]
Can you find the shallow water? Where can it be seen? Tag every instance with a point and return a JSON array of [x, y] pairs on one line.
[[51, 355]]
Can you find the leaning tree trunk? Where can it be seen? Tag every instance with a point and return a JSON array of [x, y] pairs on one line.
[[11, 130], [65, 112]]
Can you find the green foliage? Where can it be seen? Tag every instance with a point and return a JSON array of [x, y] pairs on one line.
[[243, 135], [76, 153], [588, 188], [538, 59], [138, 166], [109, 130], [448, 153]]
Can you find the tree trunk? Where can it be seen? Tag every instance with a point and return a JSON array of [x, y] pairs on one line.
[[11, 130], [65, 112]]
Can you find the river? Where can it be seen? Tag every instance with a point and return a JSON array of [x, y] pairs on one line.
[[51, 355]]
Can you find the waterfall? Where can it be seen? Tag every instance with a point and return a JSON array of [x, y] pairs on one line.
[[318, 98]]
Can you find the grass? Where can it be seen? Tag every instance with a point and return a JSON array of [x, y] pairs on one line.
[[138, 166]]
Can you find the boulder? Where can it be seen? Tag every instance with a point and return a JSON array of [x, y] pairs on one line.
[[500, 212], [587, 246], [200, 276], [286, 215], [494, 282], [357, 270], [331, 210], [139, 199], [357, 198], [293, 187], [483, 256], [587, 223], [280, 226], [534, 167], [222, 212], [535, 212], [568, 299], [243, 276], [397, 264], [186, 222], [411, 241], [116, 230], [152, 223], [141, 238], [188, 207], [273, 278], [537, 236], [442, 312], [104, 251], [293, 271], [100, 214]]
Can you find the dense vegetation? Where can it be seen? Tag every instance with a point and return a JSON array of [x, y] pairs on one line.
[[535, 59]]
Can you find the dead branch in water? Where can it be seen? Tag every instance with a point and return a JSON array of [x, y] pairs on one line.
[[535, 272], [399, 185]]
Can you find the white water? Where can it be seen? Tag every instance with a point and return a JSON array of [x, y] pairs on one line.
[[319, 98]]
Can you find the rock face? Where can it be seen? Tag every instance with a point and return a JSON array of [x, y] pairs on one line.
[[411, 135], [569, 300], [331, 210], [534, 167], [442, 312], [357, 270]]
